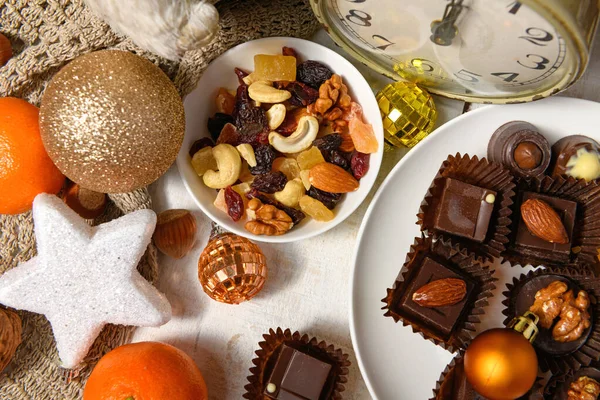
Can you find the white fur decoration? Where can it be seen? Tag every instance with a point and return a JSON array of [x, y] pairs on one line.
[[168, 28]]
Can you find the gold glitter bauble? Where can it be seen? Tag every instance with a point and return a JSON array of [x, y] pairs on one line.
[[231, 268], [112, 121], [408, 113]]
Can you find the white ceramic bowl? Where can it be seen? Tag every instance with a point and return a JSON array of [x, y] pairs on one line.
[[199, 106]]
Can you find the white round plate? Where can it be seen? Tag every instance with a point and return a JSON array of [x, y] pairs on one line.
[[395, 362], [199, 106]]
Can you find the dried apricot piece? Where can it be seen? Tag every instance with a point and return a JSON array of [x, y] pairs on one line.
[[225, 101], [363, 136], [315, 209]]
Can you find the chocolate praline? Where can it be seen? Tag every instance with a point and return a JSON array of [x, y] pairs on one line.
[[521, 148], [577, 156], [558, 389], [525, 298]]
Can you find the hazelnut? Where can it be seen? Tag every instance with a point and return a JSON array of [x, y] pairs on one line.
[[87, 203], [5, 50], [175, 232], [528, 155]]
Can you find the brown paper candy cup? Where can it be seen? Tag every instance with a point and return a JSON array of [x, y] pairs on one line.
[[586, 231], [573, 357], [270, 348], [558, 385], [461, 261], [485, 175], [453, 384]]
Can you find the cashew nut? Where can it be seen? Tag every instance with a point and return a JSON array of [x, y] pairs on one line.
[[247, 153], [291, 193], [275, 116], [301, 139], [203, 160], [263, 92], [229, 165]]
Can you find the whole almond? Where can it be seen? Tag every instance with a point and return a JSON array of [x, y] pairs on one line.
[[439, 293], [331, 178], [543, 221]]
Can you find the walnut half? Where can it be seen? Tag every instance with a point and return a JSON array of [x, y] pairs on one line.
[[268, 219], [584, 388], [548, 303]]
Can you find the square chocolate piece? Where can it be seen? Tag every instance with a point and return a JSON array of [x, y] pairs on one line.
[[528, 244], [297, 375], [464, 210], [443, 319]]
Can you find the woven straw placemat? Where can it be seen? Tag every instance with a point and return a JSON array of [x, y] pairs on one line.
[[47, 34]]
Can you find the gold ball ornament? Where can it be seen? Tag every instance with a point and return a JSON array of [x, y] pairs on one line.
[[112, 121], [408, 113], [231, 268], [501, 364]]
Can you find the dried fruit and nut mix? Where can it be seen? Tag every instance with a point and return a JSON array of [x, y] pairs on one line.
[[286, 144]]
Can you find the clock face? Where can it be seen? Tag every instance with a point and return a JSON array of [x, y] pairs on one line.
[[478, 48]]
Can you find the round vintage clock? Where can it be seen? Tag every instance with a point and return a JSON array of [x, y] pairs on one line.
[[496, 51]]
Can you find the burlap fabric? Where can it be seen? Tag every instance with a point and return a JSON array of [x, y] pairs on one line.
[[46, 34]]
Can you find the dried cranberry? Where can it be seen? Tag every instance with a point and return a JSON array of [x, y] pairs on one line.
[[328, 142], [295, 215], [200, 144], [215, 124], [302, 95], [313, 73], [264, 159], [360, 164], [235, 204], [338, 158], [288, 51], [329, 199], [241, 74], [270, 182]]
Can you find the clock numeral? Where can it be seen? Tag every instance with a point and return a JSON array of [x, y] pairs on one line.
[[422, 64], [506, 76], [467, 75], [359, 17], [385, 46], [537, 36], [538, 64], [514, 7]]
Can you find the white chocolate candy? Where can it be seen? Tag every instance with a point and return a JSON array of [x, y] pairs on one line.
[[271, 388], [490, 198], [584, 164], [85, 277]]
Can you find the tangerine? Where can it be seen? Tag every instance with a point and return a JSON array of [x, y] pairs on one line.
[[25, 168], [146, 371]]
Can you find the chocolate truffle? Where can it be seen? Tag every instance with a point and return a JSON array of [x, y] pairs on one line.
[[577, 156], [465, 210], [297, 375], [530, 245], [521, 148]]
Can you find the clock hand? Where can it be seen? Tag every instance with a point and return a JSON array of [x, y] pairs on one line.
[[444, 30]]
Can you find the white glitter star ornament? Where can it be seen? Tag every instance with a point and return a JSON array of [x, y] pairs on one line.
[[85, 277]]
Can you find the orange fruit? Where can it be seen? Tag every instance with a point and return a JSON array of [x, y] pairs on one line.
[[25, 168], [146, 371]]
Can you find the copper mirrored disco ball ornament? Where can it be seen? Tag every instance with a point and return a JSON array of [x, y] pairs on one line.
[[112, 121], [231, 268], [408, 113], [501, 364]]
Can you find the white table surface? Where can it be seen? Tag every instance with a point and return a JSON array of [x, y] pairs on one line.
[[308, 284]]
